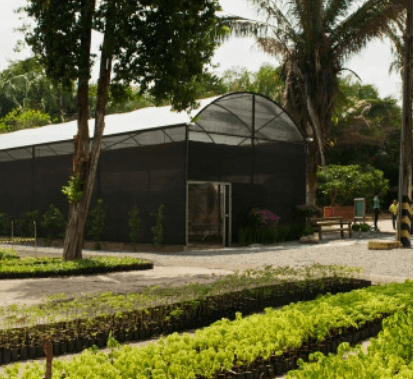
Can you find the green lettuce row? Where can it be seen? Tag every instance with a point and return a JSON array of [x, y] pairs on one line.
[[228, 345], [45, 267], [388, 356]]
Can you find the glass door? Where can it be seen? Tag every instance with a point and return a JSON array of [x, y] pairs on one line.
[[208, 213]]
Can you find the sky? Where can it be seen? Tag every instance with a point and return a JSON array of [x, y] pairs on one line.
[[371, 65]]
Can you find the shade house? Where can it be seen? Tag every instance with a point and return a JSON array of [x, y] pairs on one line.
[[208, 168]]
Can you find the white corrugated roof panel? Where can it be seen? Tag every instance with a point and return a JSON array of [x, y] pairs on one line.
[[141, 119]]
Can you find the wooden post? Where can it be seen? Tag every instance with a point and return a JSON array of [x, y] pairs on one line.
[[48, 349]]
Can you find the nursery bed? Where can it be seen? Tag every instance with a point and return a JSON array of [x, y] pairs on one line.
[[242, 349], [151, 321]]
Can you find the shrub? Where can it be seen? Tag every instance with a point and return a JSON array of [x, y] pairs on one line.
[[53, 223], [365, 227], [24, 227], [356, 227], [362, 227], [96, 223], [308, 230], [158, 229], [4, 224], [308, 210], [18, 119], [246, 236], [134, 224], [262, 219], [283, 232]]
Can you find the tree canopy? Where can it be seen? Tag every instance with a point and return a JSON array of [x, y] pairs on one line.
[[162, 46], [341, 184]]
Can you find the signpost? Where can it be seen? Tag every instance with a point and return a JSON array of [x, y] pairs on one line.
[[360, 208]]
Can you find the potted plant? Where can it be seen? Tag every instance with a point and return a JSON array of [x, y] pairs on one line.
[[307, 211]]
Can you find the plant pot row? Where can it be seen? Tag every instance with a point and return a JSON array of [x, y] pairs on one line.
[[140, 325]]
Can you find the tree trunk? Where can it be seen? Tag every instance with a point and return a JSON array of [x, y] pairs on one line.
[[408, 88], [79, 211], [312, 164], [72, 246]]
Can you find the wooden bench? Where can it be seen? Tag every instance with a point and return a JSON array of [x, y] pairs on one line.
[[324, 225]]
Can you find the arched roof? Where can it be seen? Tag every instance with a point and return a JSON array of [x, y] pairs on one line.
[[234, 118], [243, 116]]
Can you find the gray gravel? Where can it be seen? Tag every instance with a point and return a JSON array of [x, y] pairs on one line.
[[380, 265]]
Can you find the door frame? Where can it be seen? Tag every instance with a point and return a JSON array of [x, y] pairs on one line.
[[228, 216]]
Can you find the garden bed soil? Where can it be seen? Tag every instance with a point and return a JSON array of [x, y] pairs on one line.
[[32, 291]]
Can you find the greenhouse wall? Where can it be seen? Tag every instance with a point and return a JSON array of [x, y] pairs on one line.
[[146, 177], [271, 176]]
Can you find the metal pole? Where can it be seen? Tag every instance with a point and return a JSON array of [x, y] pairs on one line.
[[35, 233], [12, 232]]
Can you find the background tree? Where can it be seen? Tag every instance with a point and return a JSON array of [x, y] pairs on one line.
[[313, 39], [24, 85], [341, 184], [161, 45], [267, 81], [19, 119]]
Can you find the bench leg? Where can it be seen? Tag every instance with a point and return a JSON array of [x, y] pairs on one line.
[[342, 231], [320, 233]]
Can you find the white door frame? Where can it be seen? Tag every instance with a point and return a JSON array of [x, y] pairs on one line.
[[226, 215]]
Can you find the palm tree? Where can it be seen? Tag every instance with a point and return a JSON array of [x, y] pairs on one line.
[[313, 39], [395, 32], [400, 34]]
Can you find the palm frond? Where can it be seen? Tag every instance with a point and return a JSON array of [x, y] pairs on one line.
[[368, 22], [334, 11], [275, 17], [395, 33], [273, 47]]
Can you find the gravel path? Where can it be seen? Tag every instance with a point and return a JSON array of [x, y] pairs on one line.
[[396, 263]]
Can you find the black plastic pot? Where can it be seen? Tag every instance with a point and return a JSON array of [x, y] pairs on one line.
[[55, 345], [23, 353], [63, 346], [6, 356], [71, 346], [39, 351], [31, 352], [14, 354]]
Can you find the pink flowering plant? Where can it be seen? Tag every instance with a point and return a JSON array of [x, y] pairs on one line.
[[263, 219]]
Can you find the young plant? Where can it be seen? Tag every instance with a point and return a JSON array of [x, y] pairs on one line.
[[4, 224], [158, 229], [134, 224], [53, 223], [96, 223]]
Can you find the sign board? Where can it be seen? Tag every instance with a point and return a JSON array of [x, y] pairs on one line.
[[360, 208]]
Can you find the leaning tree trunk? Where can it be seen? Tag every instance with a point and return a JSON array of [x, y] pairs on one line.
[[72, 245], [79, 211]]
